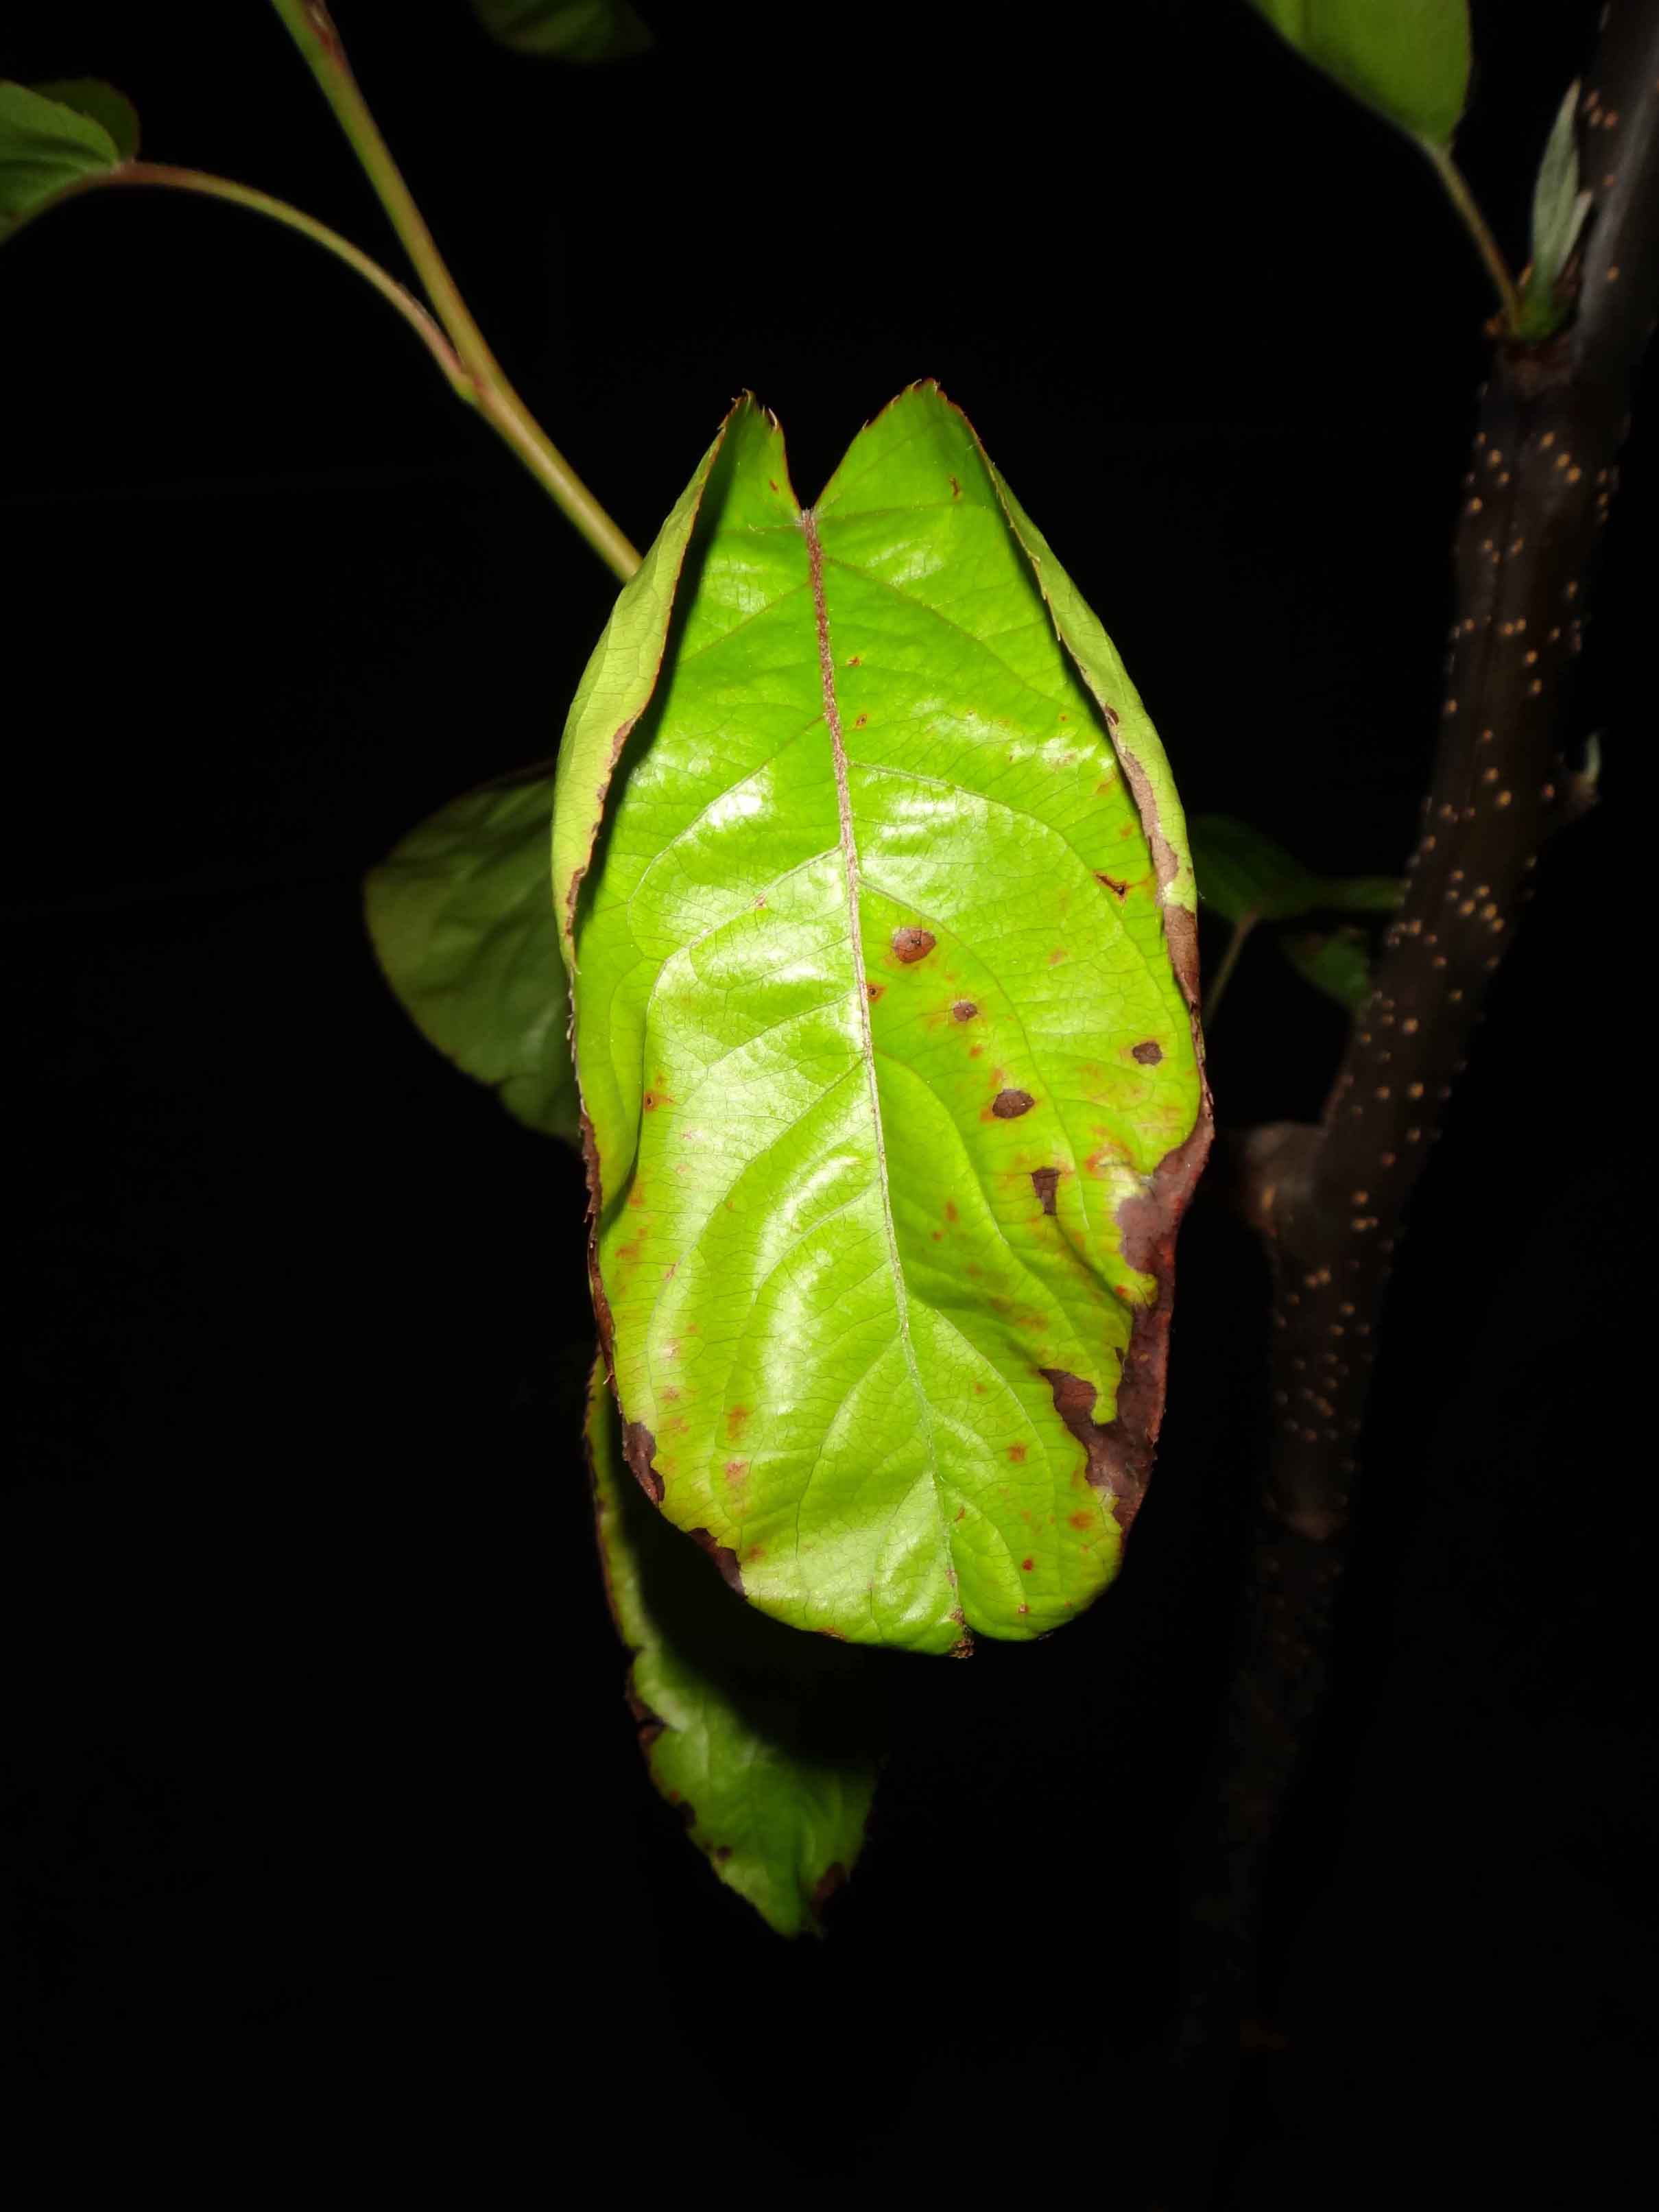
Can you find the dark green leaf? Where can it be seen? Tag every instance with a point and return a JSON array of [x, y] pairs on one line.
[[1407, 59], [49, 145], [874, 886], [1240, 872], [765, 1742], [1337, 963], [1558, 208], [567, 30], [460, 915], [101, 103]]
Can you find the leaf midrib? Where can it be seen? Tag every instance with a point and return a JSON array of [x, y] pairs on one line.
[[861, 1001]]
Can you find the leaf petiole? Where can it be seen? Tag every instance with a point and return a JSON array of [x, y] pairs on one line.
[[485, 383], [1242, 929], [1492, 254]]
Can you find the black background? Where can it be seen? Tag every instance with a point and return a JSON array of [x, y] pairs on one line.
[[329, 1847]]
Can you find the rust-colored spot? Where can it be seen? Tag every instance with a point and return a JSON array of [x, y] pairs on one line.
[[1057, 956], [1025, 1567], [1025, 1608], [1045, 1181], [859, 720], [1081, 1520], [1064, 716], [736, 1469], [956, 488], [1017, 1452], [873, 991], [773, 482], [974, 1050], [736, 1420], [1149, 1054], [639, 1450], [951, 1214], [1009, 1105], [722, 1554], [757, 1552], [912, 943], [962, 1513], [939, 1236], [963, 1010], [856, 661], [1111, 882]]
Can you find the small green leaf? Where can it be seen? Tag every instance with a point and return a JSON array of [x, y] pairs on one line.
[[1240, 872], [1337, 963], [876, 896], [460, 915], [56, 137], [766, 1743], [1559, 209], [567, 30], [1407, 59]]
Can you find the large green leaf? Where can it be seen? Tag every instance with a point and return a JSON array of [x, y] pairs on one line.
[[1409, 59], [460, 915], [766, 1743], [57, 137], [876, 896]]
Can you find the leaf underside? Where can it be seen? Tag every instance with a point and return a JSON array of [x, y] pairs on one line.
[[767, 1744], [875, 892]]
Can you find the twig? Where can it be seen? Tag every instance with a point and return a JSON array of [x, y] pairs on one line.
[[1328, 1199]]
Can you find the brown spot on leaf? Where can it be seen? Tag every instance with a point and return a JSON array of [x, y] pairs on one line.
[[951, 1214], [1149, 1054], [724, 1851], [911, 944], [963, 1010], [856, 661], [1081, 1520], [736, 1469], [1045, 1181], [640, 1449], [1025, 1567], [723, 1556], [873, 991], [1111, 882], [956, 488], [1009, 1105], [859, 720], [737, 1419], [1017, 1452]]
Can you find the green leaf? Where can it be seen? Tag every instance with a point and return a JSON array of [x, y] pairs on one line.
[[883, 958], [567, 30], [1407, 59], [1336, 962], [460, 915], [767, 1744], [1241, 872], [1559, 209], [56, 137]]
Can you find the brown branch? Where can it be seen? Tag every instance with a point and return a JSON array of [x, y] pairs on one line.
[[1328, 1199]]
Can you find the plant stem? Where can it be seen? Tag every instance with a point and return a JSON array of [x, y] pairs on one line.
[[1474, 222], [1328, 1199], [1218, 981], [313, 31], [244, 196]]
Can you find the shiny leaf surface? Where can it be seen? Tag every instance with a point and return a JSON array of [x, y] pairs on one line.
[[875, 891], [460, 915], [766, 1743]]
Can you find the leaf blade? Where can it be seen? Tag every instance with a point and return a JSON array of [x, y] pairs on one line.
[[1407, 60], [808, 1046], [460, 916], [767, 1744], [48, 146]]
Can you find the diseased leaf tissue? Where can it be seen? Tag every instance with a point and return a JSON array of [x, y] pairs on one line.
[[874, 891]]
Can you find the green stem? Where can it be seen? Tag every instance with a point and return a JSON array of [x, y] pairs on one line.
[[309, 25], [244, 196], [1242, 929], [1458, 193]]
